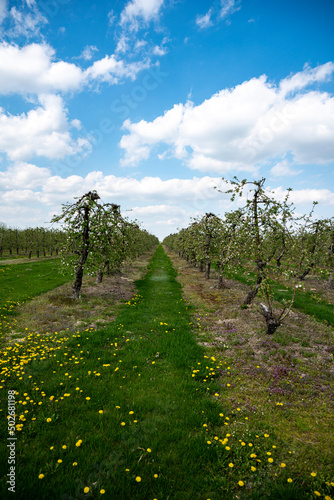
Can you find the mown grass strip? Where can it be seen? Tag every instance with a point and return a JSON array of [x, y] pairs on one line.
[[132, 412]]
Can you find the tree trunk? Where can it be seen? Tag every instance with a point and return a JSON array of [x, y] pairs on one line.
[[99, 277], [271, 321], [254, 291], [201, 266], [78, 282], [221, 283], [84, 254], [331, 280], [207, 269]]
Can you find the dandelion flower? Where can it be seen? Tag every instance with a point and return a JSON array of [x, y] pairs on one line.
[[138, 479], [75, 464], [101, 411], [231, 465], [48, 419], [253, 469], [283, 465], [102, 492], [313, 474], [122, 423], [41, 476], [78, 443], [86, 489], [289, 480], [64, 447], [241, 483], [155, 475], [270, 460], [317, 494], [59, 461]]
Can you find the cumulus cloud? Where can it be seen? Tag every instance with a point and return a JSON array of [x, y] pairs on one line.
[[30, 195], [43, 131], [242, 128], [283, 169], [137, 11], [33, 70]]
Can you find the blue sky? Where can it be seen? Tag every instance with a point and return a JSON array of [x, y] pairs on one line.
[[152, 102]]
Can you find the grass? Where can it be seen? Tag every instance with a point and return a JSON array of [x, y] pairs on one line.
[[140, 410], [21, 282], [304, 301]]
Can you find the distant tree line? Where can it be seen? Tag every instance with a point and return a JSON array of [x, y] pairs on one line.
[[30, 242]]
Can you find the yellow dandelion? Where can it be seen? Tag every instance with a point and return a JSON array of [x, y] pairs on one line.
[[122, 423], [86, 489], [317, 494], [41, 476], [270, 460], [231, 465], [313, 474], [149, 450], [253, 469], [101, 411], [241, 483], [289, 480], [283, 465], [138, 479], [75, 464], [59, 461], [48, 419], [102, 492], [155, 475], [78, 443]]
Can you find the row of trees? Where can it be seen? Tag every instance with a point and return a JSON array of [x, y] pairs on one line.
[[266, 237], [37, 241], [98, 238]]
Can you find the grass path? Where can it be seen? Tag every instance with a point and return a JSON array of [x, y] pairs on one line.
[[134, 411]]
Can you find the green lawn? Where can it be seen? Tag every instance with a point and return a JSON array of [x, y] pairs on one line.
[[22, 282]]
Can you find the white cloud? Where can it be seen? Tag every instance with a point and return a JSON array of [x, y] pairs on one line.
[[242, 128], [43, 131], [204, 21], [228, 7], [306, 77], [111, 70], [140, 10], [32, 70], [23, 176], [30, 195], [224, 10], [26, 23], [283, 169], [3, 10], [88, 52]]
